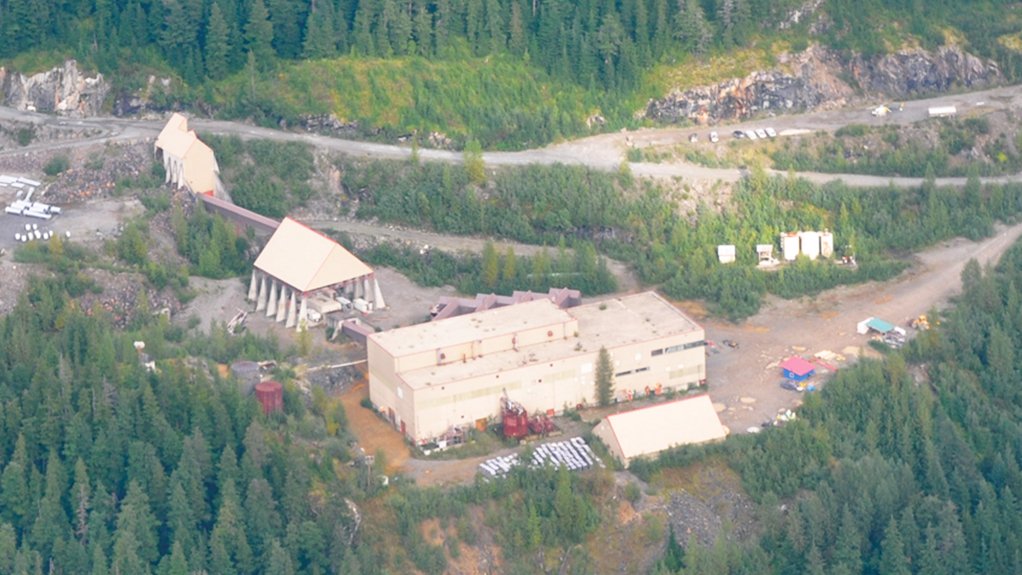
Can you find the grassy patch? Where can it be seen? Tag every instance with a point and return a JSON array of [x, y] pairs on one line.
[[501, 102]]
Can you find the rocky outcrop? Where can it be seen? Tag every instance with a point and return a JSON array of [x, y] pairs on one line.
[[914, 72], [64, 90], [816, 79]]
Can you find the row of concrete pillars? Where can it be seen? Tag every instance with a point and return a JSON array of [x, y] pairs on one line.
[[278, 300], [284, 303]]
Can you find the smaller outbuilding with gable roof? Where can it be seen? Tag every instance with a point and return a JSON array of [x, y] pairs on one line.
[[649, 430]]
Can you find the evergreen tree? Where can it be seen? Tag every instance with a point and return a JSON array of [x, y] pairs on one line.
[[319, 31], [604, 378], [509, 273], [51, 523], [217, 44], [259, 34], [135, 542], [280, 562], [491, 266]]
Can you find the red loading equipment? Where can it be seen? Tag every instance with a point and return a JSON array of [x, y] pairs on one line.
[[514, 418]]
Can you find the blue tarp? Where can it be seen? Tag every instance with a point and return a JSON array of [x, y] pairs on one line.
[[880, 325]]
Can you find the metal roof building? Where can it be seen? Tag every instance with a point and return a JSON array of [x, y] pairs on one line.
[[650, 430], [433, 377], [188, 162], [797, 369], [298, 261]]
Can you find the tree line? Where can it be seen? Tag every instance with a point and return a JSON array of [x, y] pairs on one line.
[[592, 42]]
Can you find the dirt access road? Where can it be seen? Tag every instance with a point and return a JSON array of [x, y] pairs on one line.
[[605, 151], [627, 281], [746, 380]]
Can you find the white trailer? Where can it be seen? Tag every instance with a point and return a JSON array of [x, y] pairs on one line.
[[942, 111]]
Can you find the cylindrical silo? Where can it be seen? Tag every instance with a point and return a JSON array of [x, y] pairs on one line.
[[270, 395], [247, 374]]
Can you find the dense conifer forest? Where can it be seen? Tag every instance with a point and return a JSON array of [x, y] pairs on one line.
[[108, 467], [508, 73]]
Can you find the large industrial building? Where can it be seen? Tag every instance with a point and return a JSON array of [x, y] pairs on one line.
[[432, 378], [188, 162], [649, 430], [300, 268]]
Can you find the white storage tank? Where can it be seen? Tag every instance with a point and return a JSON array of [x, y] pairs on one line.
[[789, 246], [810, 244], [826, 244]]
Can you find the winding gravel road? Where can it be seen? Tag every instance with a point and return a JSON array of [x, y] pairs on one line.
[[604, 151]]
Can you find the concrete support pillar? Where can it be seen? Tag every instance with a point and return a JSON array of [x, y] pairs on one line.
[[357, 289], [367, 289], [253, 286], [282, 303], [303, 322], [378, 295], [261, 298], [292, 311], [271, 304]]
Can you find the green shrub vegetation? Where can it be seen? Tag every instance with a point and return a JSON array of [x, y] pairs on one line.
[[638, 222], [499, 273], [267, 177], [209, 243], [892, 151], [56, 165]]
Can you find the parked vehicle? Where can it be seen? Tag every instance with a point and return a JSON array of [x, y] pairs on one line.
[[761, 133], [714, 137], [790, 385], [770, 132], [693, 138], [738, 134], [752, 135]]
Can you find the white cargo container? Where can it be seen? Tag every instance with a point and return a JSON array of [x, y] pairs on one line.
[[789, 246], [810, 244], [826, 244]]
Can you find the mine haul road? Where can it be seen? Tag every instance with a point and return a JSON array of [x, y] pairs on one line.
[[604, 151]]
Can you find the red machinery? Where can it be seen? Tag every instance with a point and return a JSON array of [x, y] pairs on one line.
[[514, 419], [517, 424]]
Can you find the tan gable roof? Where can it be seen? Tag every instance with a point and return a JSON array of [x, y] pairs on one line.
[[176, 138], [200, 168], [307, 260], [653, 429]]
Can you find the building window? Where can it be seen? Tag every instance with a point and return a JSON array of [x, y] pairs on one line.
[[623, 373], [657, 352], [641, 369], [694, 344]]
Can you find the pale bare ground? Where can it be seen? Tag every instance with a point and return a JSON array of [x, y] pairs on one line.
[[827, 322]]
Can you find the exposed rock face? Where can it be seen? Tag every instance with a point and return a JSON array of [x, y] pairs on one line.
[[813, 80], [918, 72], [63, 90]]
